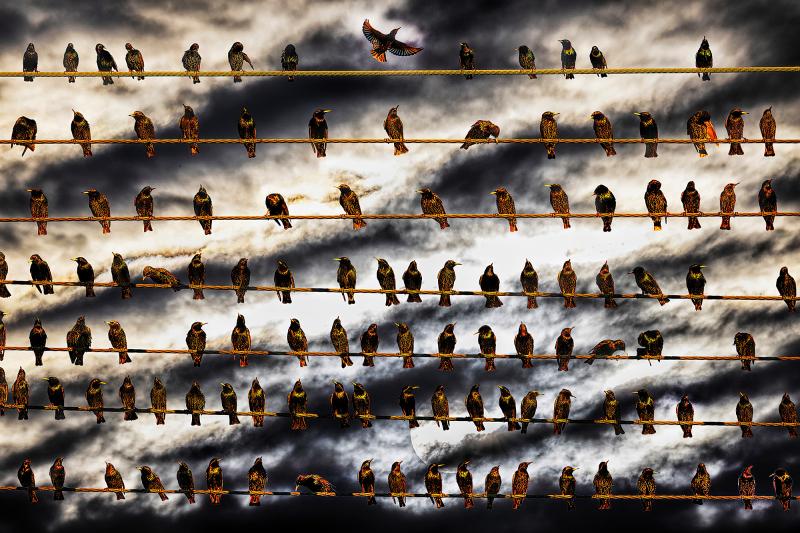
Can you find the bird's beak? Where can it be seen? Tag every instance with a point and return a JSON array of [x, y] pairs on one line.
[[45, 379], [703, 266], [458, 263], [103, 383], [107, 322], [396, 324], [327, 110], [415, 387], [203, 323], [419, 191], [73, 111], [554, 114], [638, 114], [745, 113], [85, 192], [493, 192], [29, 190], [440, 465], [74, 259], [548, 184], [337, 259]]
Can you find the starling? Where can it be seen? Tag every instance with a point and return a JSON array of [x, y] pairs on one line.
[[214, 481], [94, 397], [611, 411], [482, 129], [412, 280], [519, 484], [387, 282], [695, 283], [382, 43], [782, 483], [297, 406], [57, 477], [3, 273], [24, 130], [340, 342], [257, 402], [186, 481], [690, 199], [240, 278], [297, 340], [240, 339], [30, 63], [118, 340], [366, 479], [735, 127], [567, 282], [474, 404], [559, 201], [408, 405], [37, 337], [646, 485], [787, 288], [603, 130], [71, 60], [440, 407], [487, 341], [340, 405], [727, 204], [699, 126], [3, 334], [284, 279], [394, 129], [135, 62], [604, 202], [466, 58], [98, 204], [405, 344], [598, 61], [191, 61], [768, 203], [704, 59], [195, 401], [701, 483], [55, 395], [433, 485], [529, 280], [79, 341], [648, 129], [121, 276], [646, 409], [361, 404], [81, 131], [446, 344], [685, 412], [236, 59], [604, 349], [747, 486], [3, 391], [788, 414], [566, 485], [228, 398], [348, 199], [318, 129], [40, 271], [151, 482], [432, 205], [489, 282], [568, 57], [523, 343], [20, 392], [203, 208], [85, 275], [196, 342], [190, 128], [369, 344], [561, 410], [505, 206], [257, 481], [605, 282], [196, 272], [289, 60], [492, 485], [745, 348], [528, 408], [315, 483], [656, 202], [744, 413], [158, 400], [603, 483], [247, 130], [346, 278], [549, 130], [768, 126], [509, 408], [114, 481], [105, 63], [397, 484], [144, 206], [26, 477], [564, 345], [648, 284], [464, 480], [527, 60], [276, 205], [144, 129], [162, 276]]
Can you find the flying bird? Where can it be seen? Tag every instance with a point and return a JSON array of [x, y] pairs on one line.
[[382, 43]]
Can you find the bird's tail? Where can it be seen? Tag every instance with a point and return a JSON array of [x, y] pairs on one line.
[[148, 226], [359, 223], [379, 56], [106, 226], [197, 358], [160, 418], [151, 150], [258, 421], [255, 499], [400, 149], [618, 430], [87, 148], [4, 292], [302, 359], [694, 223], [687, 432], [648, 429], [611, 303], [120, 495], [443, 224], [60, 414], [551, 150], [346, 361], [130, 415], [446, 364], [532, 302], [512, 224], [444, 300], [251, 150], [22, 414], [706, 76], [368, 361], [243, 360], [37, 355], [233, 419], [493, 301], [71, 79], [489, 365], [127, 292], [408, 362], [735, 149], [286, 223], [726, 223], [195, 420], [48, 289], [286, 297], [239, 296], [90, 291], [198, 294], [58, 495], [769, 151], [651, 150], [351, 299], [770, 220], [41, 228], [100, 418]]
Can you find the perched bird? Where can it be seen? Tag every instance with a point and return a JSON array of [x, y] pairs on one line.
[[492, 485], [481, 129], [240, 278], [567, 282], [528, 408], [788, 414], [648, 284], [366, 479], [144, 129], [446, 344], [604, 349], [229, 404], [566, 485], [30, 63], [114, 481], [509, 408], [489, 282], [408, 405], [744, 413], [196, 342], [559, 201], [85, 275], [387, 282], [20, 393], [362, 404], [57, 477], [648, 129], [440, 407], [564, 345], [369, 344], [195, 401], [190, 128], [284, 278], [782, 484], [158, 400], [698, 127], [603, 129], [4, 293], [276, 206], [297, 400], [257, 481], [79, 340], [727, 204], [121, 276], [568, 57], [340, 342], [466, 58], [315, 483], [151, 482], [611, 411], [247, 130], [598, 61], [382, 43], [787, 287], [523, 344], [433, 485], [432, 205], [162, 276], [561, 410], [55, 395], [412, 280], [81, 131], [701, 483], [186, 481], [487, 342], [704, 59], [318, 129], [505, 206], [24, 130], [289, 60], [474, 404], [296, 338], [747, 486], [605, 282], [685, 413], [651, 342], [191, 61], [144, 206], [529, 280], [646, 485], [257, 401], [768, 126], [340, 405], [203, 208], [40, 271], [348, 199], [3, 334], [405, 344], [394, 129], [27, 479], [118, 340], [646, 409], [695, 283], [94, 397], [603, 483], [135, 62], [240, 339], [214, 481], [690, 199], [346, 278], [549, 130], [196, 271], [605, 202], [397, 484], [98, 204], [71, 60], [519, 484], [768, 203], [656, 202], [105, 63], [3, 391], [735, 128], [464, 481], [745, 348], [527, 60], [236, 59]]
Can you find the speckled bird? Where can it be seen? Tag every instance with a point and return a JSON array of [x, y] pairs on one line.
[[366, 480], [646, 486], [474, 403], [548, 128], [603, 484], [646, 409], [27, 480], [412, 280], [236, 59], [196, 272], [37, 338], [568, 57], [768, 127], [386, 280], [699, 126], [408, 405], [3, 334], [432, 205], [519, 484], [4, 292], [605, 202], [144, 129], [394, 129], [704, 59], [527, 61], [105, 63], [505, 206], [690, 199], [695, 284], [57, 477], [745, 347], [727, 204], [509, 408], [559, 201], [611, 411], [98, 204], [487, 342], [297, 401], [81, 131], [20, 393], [289, 60], [433, 484], [195, 401], [214, 481], [567, 282], [466, 57], [362, 404], [162, 276], [94, 398], [121, 276], [203, 208], [528, 408], [186, 481], [744, 413], [397, 484], [151, 482], [346, 278], [529, 280], [118, 340], [734, 125], [55, 395], [604, 349], [196, 342], [492, 485], [134, 60], [382, 43], [440, 407], [648, 284], [701, 483], [369, 344], [768, 203], [787, 288], [38, 204], [283, 278], [566, 485], [227, 397], [782, 485], [651, 342], [405, 344], [158, 400], [114, 480], [256, 481], [561, 408], [648, 129], [598, 61], [257, 402], [276, 206], [240, 339], [40, 271], [481, 129], [788, 413], [464, 481], [71, 61], [247, 130], [446, 344], [144, 206], [603, 130], [446, 280], [240, 279], [318, 129], [340, 405], [30, 61], [564, 345], [24, 130], [348, 199], [489, 282], [190, 128], [605, 282], [523, 344], [296, 338], [685, 413], [191, 61], [656, 202], [79, 340], [340, 342], [3, 391]]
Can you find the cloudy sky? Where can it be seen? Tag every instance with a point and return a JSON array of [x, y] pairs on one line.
[[328, 36]]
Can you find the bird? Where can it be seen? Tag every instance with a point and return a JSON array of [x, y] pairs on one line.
[[605, 282], [196, 342], [727, 204], [105, 63], [788, 413], [346, 278], [598, 61], [487, 342], [289, 60], [768, 203], [39, 209], [57, 477], [284, 278], [505, 206], [528, 409], [340, 342], [195, 401], [523, 344], [162, 276], [782, 484], [151, 482], [474, 403], [382, 43], [120, 275], [603, 483], [648, 129], [464, 481], [611, 411], [27, 480], [603, 130], [519, 484], [228, 399], [79, 340], [134, 60], [191, 61], [432, 205], [701, 483], [296, 338], [492, 485], [114, 480], [568, 57], [446, 344], [348, 199], [369, 344], [433, 484], [768, 126], [394, 129], [214, 481], [190, 128], [527, 61], [446, 280], [98, 204], [466, 58], [186, 481], [55, 395], [509, 408], [559, 201], [685, 413], [20, 393], [695, 284], [605, 202], [564, 346], [489, 282], [247, 130], [648, 284], [397, 484], [318, 129], [236, 59], [405, 344], [787, 288], [144, 206], [704, 59], [340, 405], [386, 281], [118, 340], [366, 479], [296, 401], [645, 408], [566, 485], [30, 61], [646, 485], [257, 402], [196, 272], [24, 130], [408, 405], [3, 333], [604, 349], [361, 404], [548, 127], [257, 481], [744, 413], [94, 398], [734, 125], [315, 483], [690, 199], [3, 391], [699, 126], [656, 202], [412, 280], [276, 206], [81, 131], [567, 282], [481, 129], [203, 208], [240, 278], [4, 293], [71, 60], [440, 407], [529, 280], [747, 486], [158, 400], [144, 129], [240, 339], [561, 410]]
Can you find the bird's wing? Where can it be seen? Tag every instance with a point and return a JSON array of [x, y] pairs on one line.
[[372, 35], [402, 49], [244, 56]]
